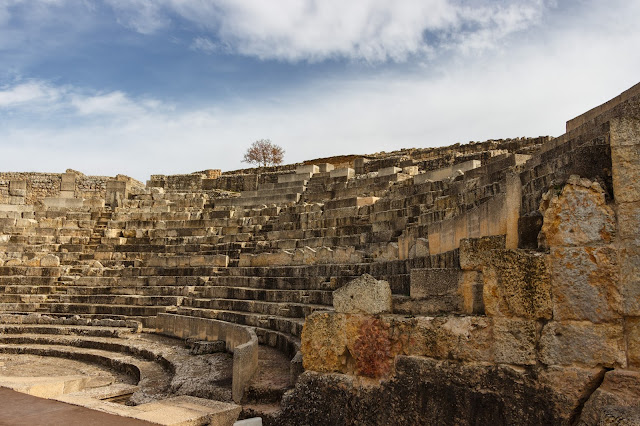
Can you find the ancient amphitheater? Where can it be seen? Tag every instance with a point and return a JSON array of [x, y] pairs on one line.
[[494, 283]]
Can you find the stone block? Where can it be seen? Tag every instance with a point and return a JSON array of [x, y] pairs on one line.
[[16, 200], [584, 343], [517, 284], [388, 171], [625, 158], [578, 216], [434, 282], [446, 172], [202, 347], [324, 342], [93, 203], [585, 284], [351, 202], [364, 295], [410, 170], [475, 253], [294, 177], [325, 167], [471, 292], [311, 168], [629, 222], [68, 182], [619, 390], [62, 203], [342, 172], [629, 259], [18, 188], [466, 338], [116, 193], [50, 260], [632, 333], [514, 341]]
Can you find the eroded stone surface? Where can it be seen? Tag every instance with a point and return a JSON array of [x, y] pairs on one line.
[[583, 343], [577, 216], [517, 284], [585, 284], [364, 295]]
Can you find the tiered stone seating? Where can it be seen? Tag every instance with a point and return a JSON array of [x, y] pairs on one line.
[[266, 259]]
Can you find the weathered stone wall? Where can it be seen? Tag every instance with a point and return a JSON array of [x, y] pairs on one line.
[[42, 185]]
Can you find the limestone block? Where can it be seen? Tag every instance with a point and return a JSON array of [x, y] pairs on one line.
[[620, 388], [584, 343], [13, 262], [585, 284], [325, 167], [16, 201], [311, 168], [62, 203], [517, 284], [625, 158], [386, 253], [629, 231], [93, 203], [294, 177], [18, 188], [632, 331], [342, 172], [433, 282], [50, 260], [471, 293], [410, 170], [324, 342], [388, 171], [629, 259], [465, 338], [476, 252], [515, 341], [364, 295], [578, 216]]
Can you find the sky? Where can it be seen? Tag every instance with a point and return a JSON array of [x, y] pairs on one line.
[[141, 87]]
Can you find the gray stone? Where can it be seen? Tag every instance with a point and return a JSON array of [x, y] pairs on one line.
[[50, 260], [364, 295], [200, 347]]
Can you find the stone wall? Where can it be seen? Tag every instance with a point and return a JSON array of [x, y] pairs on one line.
[[42, 185], [240, 340]]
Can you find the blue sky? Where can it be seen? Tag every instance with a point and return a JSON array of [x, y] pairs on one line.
[[144, 87]]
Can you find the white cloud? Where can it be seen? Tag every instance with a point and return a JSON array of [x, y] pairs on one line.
[[530, 90], [107, 104], [32, 92], [42, 96], [315, 30]]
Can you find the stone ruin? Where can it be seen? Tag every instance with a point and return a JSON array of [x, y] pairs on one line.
[[487, 283]]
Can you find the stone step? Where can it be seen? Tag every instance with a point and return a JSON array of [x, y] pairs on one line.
[[291, 310], [152, 379], [284, 342], [290, 326], [129, 300], [68, 330], [30, 271], [318, 297], [272, 283], [259, 200], [117, 311]]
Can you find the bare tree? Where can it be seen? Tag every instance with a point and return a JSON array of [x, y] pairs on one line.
[[264, 153]]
